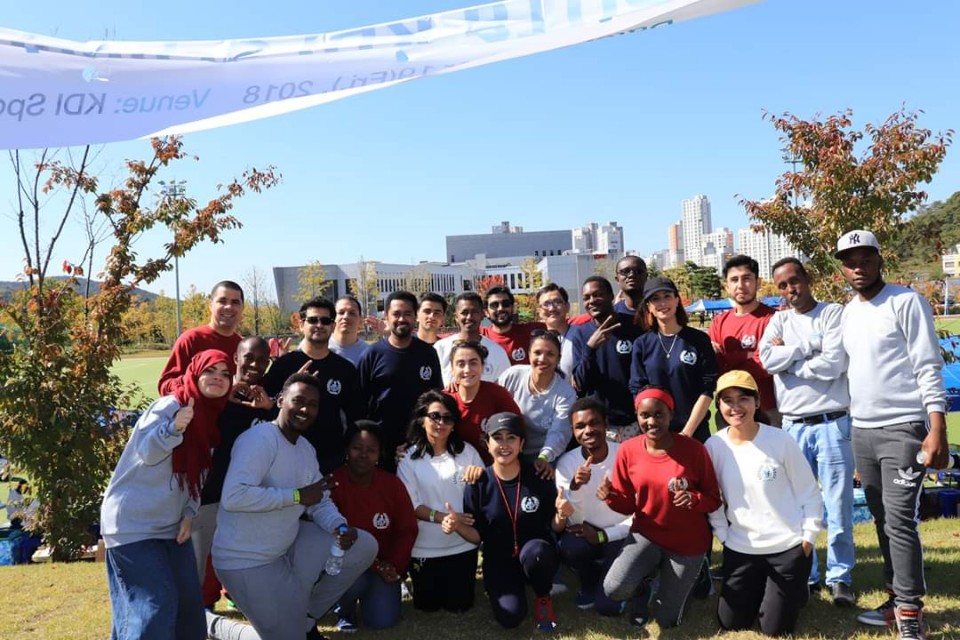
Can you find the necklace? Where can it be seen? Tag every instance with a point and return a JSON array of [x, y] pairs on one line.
[[672, 344], [537, 390]]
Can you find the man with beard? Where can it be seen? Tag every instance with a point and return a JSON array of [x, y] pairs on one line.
[[395, 371], [802, 347], [897, 403], [602, 351], [270, 559], [512, 336], [468, 314], [431, 313], [249, 405], [340, 403], [736, 333], [346, 340], [226, 312], [591, 534]]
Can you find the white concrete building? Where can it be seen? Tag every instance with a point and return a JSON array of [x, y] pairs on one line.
[[766, 248], [696, 223]]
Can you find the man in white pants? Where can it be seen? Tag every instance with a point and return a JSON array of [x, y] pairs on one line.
[[270, 560]]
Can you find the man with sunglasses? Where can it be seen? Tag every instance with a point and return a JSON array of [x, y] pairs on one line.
[[512, 336], [631, 278], [468, 314], [340, 402]]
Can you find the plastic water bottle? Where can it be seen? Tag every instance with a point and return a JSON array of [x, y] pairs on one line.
[[953, 461], [334, 563]]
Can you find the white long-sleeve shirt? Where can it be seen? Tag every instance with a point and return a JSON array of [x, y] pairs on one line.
[[433, 481], [809, 369], [771, 501], [587, 507], [258, 519], [896, 370], [496, 363]]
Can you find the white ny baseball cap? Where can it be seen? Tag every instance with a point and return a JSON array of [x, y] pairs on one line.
[[854, 239]]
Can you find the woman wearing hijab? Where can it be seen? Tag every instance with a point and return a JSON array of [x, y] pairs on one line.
[[150, 502]]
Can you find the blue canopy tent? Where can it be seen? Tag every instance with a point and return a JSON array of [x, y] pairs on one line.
[[723, 305], [951, 372]]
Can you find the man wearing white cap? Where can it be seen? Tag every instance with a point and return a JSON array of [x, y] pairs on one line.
[[897, 403]]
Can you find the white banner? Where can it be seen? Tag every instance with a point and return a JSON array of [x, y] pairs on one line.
[[57, 92]]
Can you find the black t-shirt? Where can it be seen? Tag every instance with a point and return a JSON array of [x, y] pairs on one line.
[[340, 402], [492, 518], [234, 420]]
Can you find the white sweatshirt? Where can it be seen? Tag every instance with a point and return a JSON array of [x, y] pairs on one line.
[[896, 368], [587, 507], [771, 501]]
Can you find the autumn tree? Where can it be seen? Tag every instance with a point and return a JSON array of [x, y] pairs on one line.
[[57, 407], [366, 286], [313, 281], [417, 280], [531, 279], [256, 290], [703, 281], [485, 283], [847, 178]]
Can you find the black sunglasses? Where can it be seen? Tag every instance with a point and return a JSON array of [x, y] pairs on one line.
[[441, 418], [324, 320], [497, 304]]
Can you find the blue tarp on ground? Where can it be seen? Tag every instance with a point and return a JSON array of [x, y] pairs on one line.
[[951, 372], [723, 305]]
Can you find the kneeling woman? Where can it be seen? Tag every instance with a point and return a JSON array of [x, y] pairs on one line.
[[667, 482], [377, 502], [150, 502], [770, 517], [512, 509]]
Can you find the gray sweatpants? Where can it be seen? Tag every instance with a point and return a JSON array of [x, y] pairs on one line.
[[278, 597], [201, 535], [886, 458], [639, 560]]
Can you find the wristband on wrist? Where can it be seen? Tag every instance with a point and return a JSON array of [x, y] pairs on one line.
[[601, 536], [543, 457], [433, 515], [296, 496]]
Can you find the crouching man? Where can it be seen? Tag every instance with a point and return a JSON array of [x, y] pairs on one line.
[[270, 560]]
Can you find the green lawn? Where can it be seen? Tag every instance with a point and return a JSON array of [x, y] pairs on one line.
[[951, 324], [69, 601], [143, 371]]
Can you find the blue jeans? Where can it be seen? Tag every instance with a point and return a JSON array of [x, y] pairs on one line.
[[155, 592], [379, 601], [828, 449], [591, 562]]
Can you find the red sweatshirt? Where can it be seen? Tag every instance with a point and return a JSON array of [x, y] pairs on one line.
[[190, 343], [516, 341], [641, 486], [490, 399], [382, 509], [739, 340]]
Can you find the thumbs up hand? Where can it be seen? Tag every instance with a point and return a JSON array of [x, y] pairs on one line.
[[582, 475], [453, 519], [183, 417], [605, 488], [564, 506]]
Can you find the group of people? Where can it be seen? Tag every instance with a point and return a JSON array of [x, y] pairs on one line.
[[316, 483]]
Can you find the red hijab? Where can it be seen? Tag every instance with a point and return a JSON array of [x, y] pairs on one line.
[[191, 458]]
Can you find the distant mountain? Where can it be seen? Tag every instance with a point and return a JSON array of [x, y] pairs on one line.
[[933, 230], [7, 287]]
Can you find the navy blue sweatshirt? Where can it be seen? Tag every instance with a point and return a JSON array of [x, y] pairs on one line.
[[604, 372], [340, 401], [688, 372]]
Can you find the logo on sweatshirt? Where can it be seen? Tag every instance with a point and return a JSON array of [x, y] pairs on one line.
[[907, 477], [624, 346], [518, 354], [426, 373], [678, 484], [381, 521], [688, 357], [333, 387], [768, 472], [530, 504], [748, 341]]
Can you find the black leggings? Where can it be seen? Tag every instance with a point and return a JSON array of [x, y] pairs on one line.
[[769, 587], [505, 580], [446, 582]]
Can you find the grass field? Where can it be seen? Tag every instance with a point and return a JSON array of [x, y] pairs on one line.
[[69, 601]]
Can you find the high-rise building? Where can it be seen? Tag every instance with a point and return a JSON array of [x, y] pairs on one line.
[[717, 248], [766, 248], [696, 224], [609, 239], [584, 238]]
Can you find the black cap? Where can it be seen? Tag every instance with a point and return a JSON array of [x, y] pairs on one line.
[[504, 421], [655, 285]]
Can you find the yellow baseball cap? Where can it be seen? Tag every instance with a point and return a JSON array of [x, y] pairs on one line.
[[737, 378]]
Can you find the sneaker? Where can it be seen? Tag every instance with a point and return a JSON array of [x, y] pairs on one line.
[[558, 587], [584, 600], [882, 616], [346, 625], [543, 613], [639, 608], [910, 623], [842, 595]]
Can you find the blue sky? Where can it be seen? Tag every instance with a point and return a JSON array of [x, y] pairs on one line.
[[618, 129]]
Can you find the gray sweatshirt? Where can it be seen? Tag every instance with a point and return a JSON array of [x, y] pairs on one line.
[[258, 519], [143, 500], [895, 368], [546, 415], [810, 368]]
